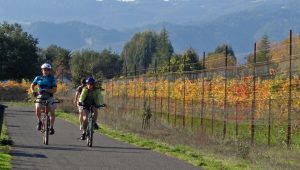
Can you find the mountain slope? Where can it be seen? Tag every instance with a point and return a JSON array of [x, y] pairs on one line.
[[201, 24], [121, 15], [76, 35]]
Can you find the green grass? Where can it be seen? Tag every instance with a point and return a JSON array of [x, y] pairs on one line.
[[5, 142], [185, 153]]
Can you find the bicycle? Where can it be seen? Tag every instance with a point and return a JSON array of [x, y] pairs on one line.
[[90, 124], [45, 119]]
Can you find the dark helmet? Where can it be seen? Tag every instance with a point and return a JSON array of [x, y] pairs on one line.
[[90, 80], [83, 81]]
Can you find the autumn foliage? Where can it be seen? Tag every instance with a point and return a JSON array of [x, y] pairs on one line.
[[238, 91], [20, 91]]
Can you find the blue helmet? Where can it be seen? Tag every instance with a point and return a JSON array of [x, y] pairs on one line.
[[90, 80]]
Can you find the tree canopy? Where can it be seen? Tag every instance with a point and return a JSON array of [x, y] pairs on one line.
[[189, 61], [146, 48], [91, 63], [17, 49], [217, 58], [59, 58]]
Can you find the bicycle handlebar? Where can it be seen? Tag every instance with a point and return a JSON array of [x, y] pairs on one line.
[[101, 105], [45, 101], [96, 106]]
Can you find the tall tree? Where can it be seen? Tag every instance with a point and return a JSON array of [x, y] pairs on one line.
[[61, 64], [50, 53], [264, 54], [164, 49], [91, 63], [83, 64], [139, 50], [263, 51], [110, 64], [59, 58], [17, 48], [263, 58], [189, 61]]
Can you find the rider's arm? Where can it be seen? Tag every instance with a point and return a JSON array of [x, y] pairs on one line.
[[76, 97], [83, 95], [33, 84], [32, 87]]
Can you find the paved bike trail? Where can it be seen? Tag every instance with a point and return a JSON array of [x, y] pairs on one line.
[[66, 151]]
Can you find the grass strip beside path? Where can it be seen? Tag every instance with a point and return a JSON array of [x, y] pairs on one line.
[[185, 153], [5, 142]]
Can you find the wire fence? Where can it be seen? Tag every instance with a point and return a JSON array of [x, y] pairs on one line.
[[258, 101]]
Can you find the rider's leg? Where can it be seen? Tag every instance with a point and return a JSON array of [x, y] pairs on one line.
[[38, 115], [84, 124], [84, 119], [80, 109], [95, 110], [38, 111], [52, 115], [52, 119]]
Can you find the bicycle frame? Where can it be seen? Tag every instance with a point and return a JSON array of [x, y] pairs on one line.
[[45, 119], [46, 125], [90, 127]]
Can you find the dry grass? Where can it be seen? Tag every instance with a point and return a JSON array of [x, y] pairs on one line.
[[13, 94], [231, 150]]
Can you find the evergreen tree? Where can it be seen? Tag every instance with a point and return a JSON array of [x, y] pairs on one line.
[[263, 50], [146, 48], [189, 61], [164, 49], [264, 57], [263, 53], [59, 58], [139, 51]]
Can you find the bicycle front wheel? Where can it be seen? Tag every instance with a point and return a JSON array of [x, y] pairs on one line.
[[90, 133], [46, 128]]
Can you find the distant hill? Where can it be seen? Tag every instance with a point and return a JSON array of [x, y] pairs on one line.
[[240, 30], [121, 15], [201, 24], [76, 35]]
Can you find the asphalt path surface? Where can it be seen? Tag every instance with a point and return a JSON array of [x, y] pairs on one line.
[[67, 151]]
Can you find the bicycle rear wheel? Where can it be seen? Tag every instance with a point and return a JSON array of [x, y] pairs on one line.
[[46, 128]]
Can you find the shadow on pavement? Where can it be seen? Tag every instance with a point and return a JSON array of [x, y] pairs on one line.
[[79, 148], [49, 147], [13, 126], [26, 111], [112, 149], [24, 154]]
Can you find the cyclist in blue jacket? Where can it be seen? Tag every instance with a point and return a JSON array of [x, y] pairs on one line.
[[46, 88]]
